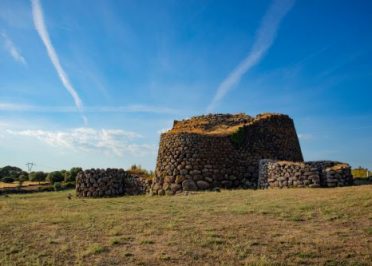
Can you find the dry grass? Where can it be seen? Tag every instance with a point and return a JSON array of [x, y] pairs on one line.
[[208, 125], [242, 227], [201, 124], [25, 184]]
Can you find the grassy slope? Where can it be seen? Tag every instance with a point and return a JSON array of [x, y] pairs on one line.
[[289, 226]]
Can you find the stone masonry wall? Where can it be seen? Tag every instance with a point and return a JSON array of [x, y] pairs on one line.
[[281, 174], [108, 183], [192, 161]]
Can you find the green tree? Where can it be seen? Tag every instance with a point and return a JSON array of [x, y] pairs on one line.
[[71, 176], [10, 171], [37, 176], [56, 176], [21, 179]]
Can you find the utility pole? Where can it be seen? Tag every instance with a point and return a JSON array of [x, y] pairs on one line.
[[29, 166]]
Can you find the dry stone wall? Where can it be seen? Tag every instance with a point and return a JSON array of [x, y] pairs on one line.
[[281, 174], [109, 183], [190, 161], [333, 173]]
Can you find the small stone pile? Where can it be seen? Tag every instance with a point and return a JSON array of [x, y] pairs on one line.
[[108, 183], [281, 174]]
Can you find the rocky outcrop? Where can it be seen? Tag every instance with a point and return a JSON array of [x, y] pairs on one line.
[[109, 183], [222, 151], [281, 174]]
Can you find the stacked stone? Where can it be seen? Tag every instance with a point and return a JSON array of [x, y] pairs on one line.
[[136, 185], [287, 174], [211, 121], [190, 161], [281, 174], [333, 173], [108, 183], [338, 176]]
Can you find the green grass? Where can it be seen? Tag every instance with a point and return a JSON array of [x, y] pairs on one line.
[[241, 227]]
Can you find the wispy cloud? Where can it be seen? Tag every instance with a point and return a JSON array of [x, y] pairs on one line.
[[263, 40], [40, 26], [109, 141], [12, 49], [133, 108]]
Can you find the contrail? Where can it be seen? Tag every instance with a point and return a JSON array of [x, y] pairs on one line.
[[13, 51], [38, 18], [264, 38]]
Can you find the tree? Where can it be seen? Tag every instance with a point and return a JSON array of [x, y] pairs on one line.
[[71, 177], [10, 171], [55, 176], [37, 176], [24, 175], [21, 179], [7, 179]]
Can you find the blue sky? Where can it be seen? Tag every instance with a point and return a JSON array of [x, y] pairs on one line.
[[93, 83]]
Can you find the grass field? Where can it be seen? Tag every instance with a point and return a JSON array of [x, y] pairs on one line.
[[289, 226], [25, 184]]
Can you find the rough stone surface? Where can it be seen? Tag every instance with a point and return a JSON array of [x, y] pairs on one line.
[[109, 183], [312, 174], [222, 151]]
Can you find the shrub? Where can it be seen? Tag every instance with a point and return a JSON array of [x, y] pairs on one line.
[[57, 186], [55, 176], [8, 180]]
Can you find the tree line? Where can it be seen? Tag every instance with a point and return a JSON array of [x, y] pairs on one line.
[[10, 174]]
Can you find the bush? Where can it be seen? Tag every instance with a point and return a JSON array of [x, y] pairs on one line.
[[8, 180], [55, 176], [57, 186], [37, 176]]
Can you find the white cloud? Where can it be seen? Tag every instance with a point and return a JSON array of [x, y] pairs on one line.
[[40, 26], [12, 49], [14, 107], [110, 141], [264, 39]]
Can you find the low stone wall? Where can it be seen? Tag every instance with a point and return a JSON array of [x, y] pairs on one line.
[[333, 173], [109, 183], [281, 174]]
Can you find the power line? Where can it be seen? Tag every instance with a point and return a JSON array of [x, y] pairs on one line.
[[29, 166]]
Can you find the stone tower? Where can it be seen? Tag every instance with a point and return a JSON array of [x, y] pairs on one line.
[[222, 150]]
